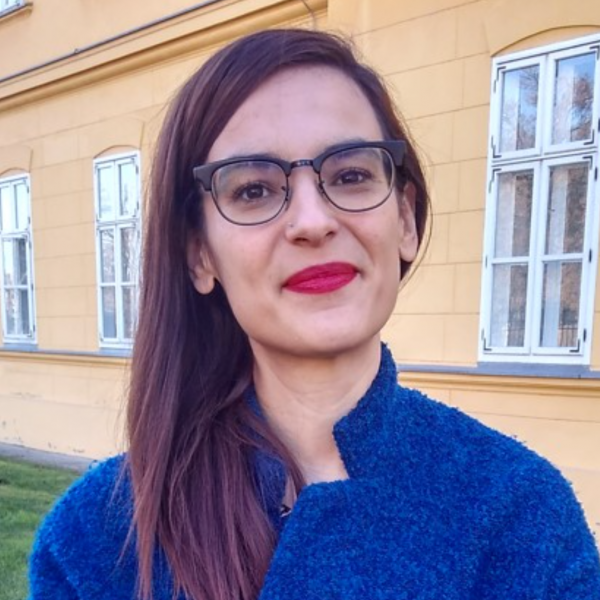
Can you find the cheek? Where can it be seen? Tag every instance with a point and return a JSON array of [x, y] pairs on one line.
[[242, 268], [243, 295], [392, 275], [388, 258]]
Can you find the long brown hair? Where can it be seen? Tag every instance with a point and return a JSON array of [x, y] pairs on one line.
[[191, 434]]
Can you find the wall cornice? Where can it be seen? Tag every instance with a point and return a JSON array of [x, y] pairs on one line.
[[503, 384], [183, 36]]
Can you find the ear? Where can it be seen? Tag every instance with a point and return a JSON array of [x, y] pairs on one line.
[[200, 266], [408, 238]]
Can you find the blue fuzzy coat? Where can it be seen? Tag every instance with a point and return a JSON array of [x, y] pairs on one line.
[[437, 506]]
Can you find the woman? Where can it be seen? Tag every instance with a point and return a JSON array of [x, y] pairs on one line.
[[272, 452]]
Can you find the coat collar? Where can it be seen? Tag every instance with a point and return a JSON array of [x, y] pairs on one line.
[[360, 437]]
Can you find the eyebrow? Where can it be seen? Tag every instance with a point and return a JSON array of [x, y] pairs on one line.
[[271, 155]]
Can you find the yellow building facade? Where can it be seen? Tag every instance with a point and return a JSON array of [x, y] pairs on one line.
[[502, 318]]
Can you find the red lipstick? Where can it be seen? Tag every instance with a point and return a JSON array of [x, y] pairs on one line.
[[321, 279]]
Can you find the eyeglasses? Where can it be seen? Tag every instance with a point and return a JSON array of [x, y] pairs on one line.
[[354, 177]]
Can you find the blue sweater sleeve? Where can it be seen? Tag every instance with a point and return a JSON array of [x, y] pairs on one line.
[[47, 579], [543, 548], [576, 573], [78, 552]]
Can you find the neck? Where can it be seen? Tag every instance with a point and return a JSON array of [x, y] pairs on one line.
[[303, 398]]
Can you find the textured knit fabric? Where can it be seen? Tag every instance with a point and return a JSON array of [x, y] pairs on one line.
[[437, 506]]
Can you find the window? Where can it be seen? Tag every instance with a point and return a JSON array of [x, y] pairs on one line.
[[117, 187], [8, 4], [542, 216], [16, 282]]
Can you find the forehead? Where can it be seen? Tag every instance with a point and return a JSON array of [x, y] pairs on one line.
[[297, 113]]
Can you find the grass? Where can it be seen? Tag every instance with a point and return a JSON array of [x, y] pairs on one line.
[[26, 494]]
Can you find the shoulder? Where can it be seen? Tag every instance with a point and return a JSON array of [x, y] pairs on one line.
[[509, 503], [92, 518], [499, 486], [444, 432], [103, 491], [470, 464]]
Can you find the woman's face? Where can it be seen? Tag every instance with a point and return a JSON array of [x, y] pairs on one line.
[[353, 259]]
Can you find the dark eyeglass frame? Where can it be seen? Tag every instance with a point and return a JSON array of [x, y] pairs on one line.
[[203, 174]]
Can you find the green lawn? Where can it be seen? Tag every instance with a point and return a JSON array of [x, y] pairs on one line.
[[26, 493]]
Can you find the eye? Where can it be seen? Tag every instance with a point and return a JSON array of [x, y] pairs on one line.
[[251, 192], [250, 183], [352, 176], [353, 170]]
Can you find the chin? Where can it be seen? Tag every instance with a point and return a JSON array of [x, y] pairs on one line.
[[326, 333], [332, 341]]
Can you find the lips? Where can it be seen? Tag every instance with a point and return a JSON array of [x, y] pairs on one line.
[[321, 279]]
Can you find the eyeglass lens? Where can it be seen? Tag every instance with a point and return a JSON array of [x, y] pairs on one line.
[[255, 191]]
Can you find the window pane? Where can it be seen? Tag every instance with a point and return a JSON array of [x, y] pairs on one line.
[[8, 263], [14, 261], [560, 304], [109, 313], [24, 311], [573, 99], [128, 311], [107, 256], [513, 214], [565, 225], [128, 254], [127, 189], [20, 258], [16, 306], [105, 183], [11, 307], [21, 251], [509, 306], [519, 108], [8, 220], [22, 200]]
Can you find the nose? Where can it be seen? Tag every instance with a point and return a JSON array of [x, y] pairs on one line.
[[310, 218]]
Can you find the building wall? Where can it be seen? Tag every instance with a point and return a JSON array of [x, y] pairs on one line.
[[67, 395], [69, 404], [436, 54]]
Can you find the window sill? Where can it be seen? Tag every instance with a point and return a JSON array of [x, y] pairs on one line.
[[119, 350], [19, 346], [14, 11], [508, 369]]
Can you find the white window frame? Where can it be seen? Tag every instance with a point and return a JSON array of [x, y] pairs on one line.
[[541, 158], [496, 120], [117, 223], [6, 5], [23, 232]]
